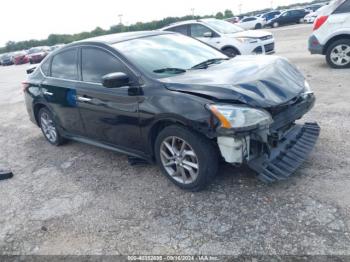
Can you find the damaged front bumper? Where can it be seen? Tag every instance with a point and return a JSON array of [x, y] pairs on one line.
[[277, 150], [283, 160]]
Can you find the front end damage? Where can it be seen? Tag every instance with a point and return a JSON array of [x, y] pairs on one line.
[[276, 149]]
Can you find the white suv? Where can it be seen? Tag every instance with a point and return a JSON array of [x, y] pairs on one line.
[[331, 36], [229, 38]]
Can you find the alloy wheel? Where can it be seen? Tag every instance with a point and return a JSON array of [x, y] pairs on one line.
[[340, 55], [179, 160], [48, 127]]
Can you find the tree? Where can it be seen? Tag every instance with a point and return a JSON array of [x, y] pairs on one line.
[[228, 13], [219, 15]]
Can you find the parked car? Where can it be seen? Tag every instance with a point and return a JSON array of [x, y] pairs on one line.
[[54, 47], [251, 22], [37, 54], [288, 17], [20, 57], [229, 38], [7, 59], [233, 20], [313, 8], [270, 15], [167, 98], [331, 34], [311, 17]]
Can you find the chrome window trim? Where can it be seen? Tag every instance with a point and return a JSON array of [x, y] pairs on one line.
[[93, 46]]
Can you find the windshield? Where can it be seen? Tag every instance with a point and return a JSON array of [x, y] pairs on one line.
[[166, 55], [223, 26]]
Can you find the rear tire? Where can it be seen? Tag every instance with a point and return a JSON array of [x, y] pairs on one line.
[[338, 54], [258, 26], [188, 159], [275, 24], [230, 52], [49, 127]]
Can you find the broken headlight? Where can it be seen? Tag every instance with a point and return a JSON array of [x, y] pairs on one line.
[[307, 90], [240, 117]]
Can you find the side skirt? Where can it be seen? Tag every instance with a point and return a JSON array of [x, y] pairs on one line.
[[114, 148]]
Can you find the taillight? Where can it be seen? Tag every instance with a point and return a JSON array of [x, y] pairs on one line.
[[319, 22], [25, 85]]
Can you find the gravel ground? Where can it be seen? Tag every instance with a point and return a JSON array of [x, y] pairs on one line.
[[79, 199]]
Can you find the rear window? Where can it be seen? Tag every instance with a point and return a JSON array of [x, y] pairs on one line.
[[343, 8]]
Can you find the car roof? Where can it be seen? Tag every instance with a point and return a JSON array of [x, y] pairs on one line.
[[190, 22], [120, 37]]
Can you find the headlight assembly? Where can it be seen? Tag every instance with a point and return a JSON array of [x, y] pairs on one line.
[[247, 40], [240, 117]]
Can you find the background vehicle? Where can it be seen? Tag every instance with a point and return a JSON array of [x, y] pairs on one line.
[[270, 15], [20, 57], [311, 17], [251, 22], [197, 105], [229, 38], [233, 20], [37, 54], [7, 59], [313, 8], [288, 17], [331, 34], [54, 47]]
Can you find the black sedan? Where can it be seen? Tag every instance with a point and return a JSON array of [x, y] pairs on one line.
[[167, 98], [288, 17]]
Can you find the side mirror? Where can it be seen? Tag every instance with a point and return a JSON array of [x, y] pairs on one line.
[[116, 79], [208, 34]]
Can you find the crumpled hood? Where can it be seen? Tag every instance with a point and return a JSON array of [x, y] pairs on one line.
[[259, 81], [250, 34]]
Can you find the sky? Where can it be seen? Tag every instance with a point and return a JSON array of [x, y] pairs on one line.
[[36, 19]]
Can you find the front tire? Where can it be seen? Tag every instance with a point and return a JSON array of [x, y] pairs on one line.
[[275, 24], [338, 54], [188, 159], [258, 26], [49, 127]]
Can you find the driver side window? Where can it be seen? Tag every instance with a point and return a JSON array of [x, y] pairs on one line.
[[198, 30], [95, 63]]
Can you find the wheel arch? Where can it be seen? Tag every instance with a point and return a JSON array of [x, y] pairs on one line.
[[333, 39], [164, 122], [36, 110], [230, 46]]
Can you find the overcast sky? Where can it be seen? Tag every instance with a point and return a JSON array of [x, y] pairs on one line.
[[36, 19]]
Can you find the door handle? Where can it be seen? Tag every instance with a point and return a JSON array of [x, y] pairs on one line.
[[48, 93], [83, 99]]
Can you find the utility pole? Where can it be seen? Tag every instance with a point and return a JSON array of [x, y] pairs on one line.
[[192, 11], [240, 8], [120, 18]]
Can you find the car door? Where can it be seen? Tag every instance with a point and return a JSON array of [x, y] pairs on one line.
[[199, 31], [59, 89], [110, 115], [285, 18]]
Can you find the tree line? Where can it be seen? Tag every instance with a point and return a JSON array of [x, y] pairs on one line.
[[53, 39]]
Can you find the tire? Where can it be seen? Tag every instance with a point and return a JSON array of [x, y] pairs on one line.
[[275, 24], [338, 54], [230, 52], [301, 21], [193, 170], [48, 127], [258, 26]]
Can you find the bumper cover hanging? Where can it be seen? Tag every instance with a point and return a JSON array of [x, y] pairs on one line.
[[285, 159]]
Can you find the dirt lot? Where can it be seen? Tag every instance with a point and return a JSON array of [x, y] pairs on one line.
[[78, 199]]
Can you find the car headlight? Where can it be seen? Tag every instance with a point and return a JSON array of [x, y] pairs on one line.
[[307, 88], [240, 117], [246, 40]]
